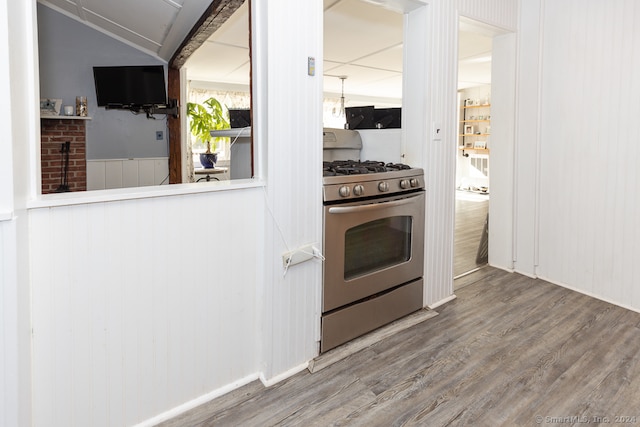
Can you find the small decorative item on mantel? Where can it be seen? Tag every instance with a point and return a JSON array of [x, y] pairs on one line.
[[81, 106], [50, 107]]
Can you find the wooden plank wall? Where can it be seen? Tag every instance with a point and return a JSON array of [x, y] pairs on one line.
[[131, 311], [140, 306], [9, 389], [121, 173], [291, 99], [589, 184], [440, 20], [499, 13]]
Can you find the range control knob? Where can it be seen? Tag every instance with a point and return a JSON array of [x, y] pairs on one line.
[[358, 190], [383, 186], [414, 182], [404, 184], [344, 191]]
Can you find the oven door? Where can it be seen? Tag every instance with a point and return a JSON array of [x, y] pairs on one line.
[[371, 246]]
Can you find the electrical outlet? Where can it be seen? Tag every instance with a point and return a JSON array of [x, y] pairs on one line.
[[296, 256], [159, 135]]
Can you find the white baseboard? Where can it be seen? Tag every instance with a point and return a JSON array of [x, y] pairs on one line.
[[442, 301], [178, 410], [283, 376]]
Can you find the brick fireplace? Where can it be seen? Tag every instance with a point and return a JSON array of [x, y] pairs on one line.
[[54, 132]]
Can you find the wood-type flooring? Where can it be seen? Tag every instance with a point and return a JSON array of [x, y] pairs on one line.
[[509, 351]]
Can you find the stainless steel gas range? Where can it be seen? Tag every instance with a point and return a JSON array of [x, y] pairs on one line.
[[373, 240]]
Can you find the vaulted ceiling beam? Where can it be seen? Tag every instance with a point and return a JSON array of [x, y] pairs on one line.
[[215, 15]]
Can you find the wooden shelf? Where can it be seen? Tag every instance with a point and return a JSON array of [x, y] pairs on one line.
[[476, 150], [468, 118], [65, 117]]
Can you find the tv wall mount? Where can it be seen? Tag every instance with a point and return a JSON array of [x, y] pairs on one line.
[[171, 108]]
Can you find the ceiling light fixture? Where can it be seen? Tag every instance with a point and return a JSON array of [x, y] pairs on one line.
[[342, 111]]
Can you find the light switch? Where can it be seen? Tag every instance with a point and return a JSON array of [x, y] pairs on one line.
[[437, 131]]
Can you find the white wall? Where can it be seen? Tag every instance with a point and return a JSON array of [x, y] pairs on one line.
[[430, 79], [6, 151], [142, 305], [114, 277], [19, 123], [290, 309], [588, 181], [9, 333], [121, 173], [503, 114], [381, 145], [129, 325], [527, 139]]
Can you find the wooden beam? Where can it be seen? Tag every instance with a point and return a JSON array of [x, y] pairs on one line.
[[175, 130], [215, 15]]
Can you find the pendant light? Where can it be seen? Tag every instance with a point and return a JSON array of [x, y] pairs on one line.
[[343, 114]]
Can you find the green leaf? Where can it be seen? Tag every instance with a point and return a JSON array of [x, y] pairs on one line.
[[205, 117]]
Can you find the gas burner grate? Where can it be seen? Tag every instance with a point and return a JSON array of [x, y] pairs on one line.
[[343, 167], [397, 166], [356, 167], [374, 166]]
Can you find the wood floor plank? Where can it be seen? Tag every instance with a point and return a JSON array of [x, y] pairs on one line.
[[450, 375], [196, 417], [507, 350], [367, 340]]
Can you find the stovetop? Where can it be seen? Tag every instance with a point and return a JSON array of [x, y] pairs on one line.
[[348, 180], [357, 167]]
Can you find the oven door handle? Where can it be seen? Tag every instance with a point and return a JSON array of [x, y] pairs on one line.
[[372, 206]]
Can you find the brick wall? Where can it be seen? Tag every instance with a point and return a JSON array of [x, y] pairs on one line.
[[54, 133]]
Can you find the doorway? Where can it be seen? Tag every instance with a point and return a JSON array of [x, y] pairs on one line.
[[474, 147]]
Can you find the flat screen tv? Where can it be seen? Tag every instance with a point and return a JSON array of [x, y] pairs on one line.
[[130, 86]]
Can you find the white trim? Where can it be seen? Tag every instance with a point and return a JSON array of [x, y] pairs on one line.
[[6, 216], [538, 142], [128, 158], [283, 376], [442, 302], [178, 410], [232, 87], [131, 193], [589, 294]]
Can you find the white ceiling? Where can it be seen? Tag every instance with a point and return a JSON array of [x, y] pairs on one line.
[[362, 41], [157, 27]]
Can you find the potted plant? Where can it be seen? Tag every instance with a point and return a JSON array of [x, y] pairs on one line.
[[203, 118]]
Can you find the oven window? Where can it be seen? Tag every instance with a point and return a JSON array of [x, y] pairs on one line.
[[377, 245]]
